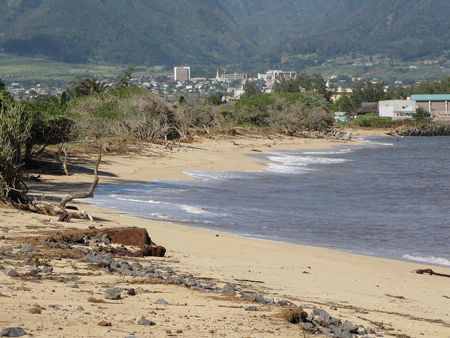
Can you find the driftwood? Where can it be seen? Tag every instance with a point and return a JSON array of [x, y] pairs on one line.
[[431, 272], [249, 280], [62, 155], [90, 193]]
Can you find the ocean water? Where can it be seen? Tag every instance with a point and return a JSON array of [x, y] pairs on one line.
[[387, 198]]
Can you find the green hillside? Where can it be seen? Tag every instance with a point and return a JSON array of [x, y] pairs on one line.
[[272, 22], [407, 29], [146, 32]]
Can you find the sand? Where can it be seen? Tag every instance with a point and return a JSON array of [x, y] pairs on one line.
[[363, 290]]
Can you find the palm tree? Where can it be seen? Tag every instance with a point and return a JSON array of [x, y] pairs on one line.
[[91, 87]]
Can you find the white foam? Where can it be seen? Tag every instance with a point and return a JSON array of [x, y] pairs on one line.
[[373, 142], [219, 176], [343, 151], [302, 161], [431, 259], [193, 210], [138, 201]]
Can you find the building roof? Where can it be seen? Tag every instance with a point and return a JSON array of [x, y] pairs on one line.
[[431, 97]]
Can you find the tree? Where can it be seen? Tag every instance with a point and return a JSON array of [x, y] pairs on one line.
[[124, 79], [421, 115], [216, 99], [305, 82], [90, 87], [2, 85], [319, 85], [14, 131], [48, 125], [284, 85], [251, 88]]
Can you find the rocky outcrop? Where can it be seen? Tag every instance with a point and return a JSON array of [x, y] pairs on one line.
[[425, 131]]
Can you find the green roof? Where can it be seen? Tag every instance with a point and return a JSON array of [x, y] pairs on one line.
[[431, 97]]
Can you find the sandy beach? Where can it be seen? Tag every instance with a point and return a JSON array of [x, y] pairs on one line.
[[385, 295]]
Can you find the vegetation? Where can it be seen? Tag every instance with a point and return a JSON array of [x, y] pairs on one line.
[[146, 32]]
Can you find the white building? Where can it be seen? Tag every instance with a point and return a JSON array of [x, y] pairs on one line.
[[397, 109], [272, 75], [182, 74]]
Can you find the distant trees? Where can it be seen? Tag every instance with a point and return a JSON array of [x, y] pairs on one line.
[[2, 85], [303, 83], [250, 88]]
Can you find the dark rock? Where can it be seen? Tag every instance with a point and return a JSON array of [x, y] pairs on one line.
[[112, 294], [97, 259], [12, 332], [131, 292], [161, 302], [29, 261], [80, 308], [308, 327], [229, 289], [48, 270], [136, 265], [28, 248], [73, 278], [74, 286], [350, 327], [321, 316], [284, 303], [11, 272], [251, 308], [147, 322], [6, 248], [369, 330], [34, 271]]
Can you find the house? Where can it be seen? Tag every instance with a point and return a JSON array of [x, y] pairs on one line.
[[397, 109], [436, 104], [368, 107]]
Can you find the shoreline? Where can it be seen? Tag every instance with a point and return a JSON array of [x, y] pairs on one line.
[[363, 289]]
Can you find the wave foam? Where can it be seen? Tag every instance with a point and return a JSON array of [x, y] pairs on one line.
[[135, 200], [431, 259], [373, 142], [193, 210], [296, 164], [343, 151]]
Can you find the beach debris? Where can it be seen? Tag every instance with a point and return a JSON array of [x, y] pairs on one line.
[[104, 323], [35, 311], [147, 322], [12, 332], [249, 280], [392, 296], [431, 272], [446, 296], [294, 315]]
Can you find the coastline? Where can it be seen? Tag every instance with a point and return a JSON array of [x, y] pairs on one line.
[[362, 288]]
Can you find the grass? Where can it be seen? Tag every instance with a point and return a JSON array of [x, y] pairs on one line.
[[27, 70], [384, 72]]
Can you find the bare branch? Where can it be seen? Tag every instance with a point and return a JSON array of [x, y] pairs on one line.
[[90, 193]]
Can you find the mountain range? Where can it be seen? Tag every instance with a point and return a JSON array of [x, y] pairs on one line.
[[153, 32]]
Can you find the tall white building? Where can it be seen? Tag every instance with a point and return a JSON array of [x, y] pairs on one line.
[[182, 74]]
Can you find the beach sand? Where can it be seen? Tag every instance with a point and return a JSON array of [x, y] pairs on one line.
[[383, 294]]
